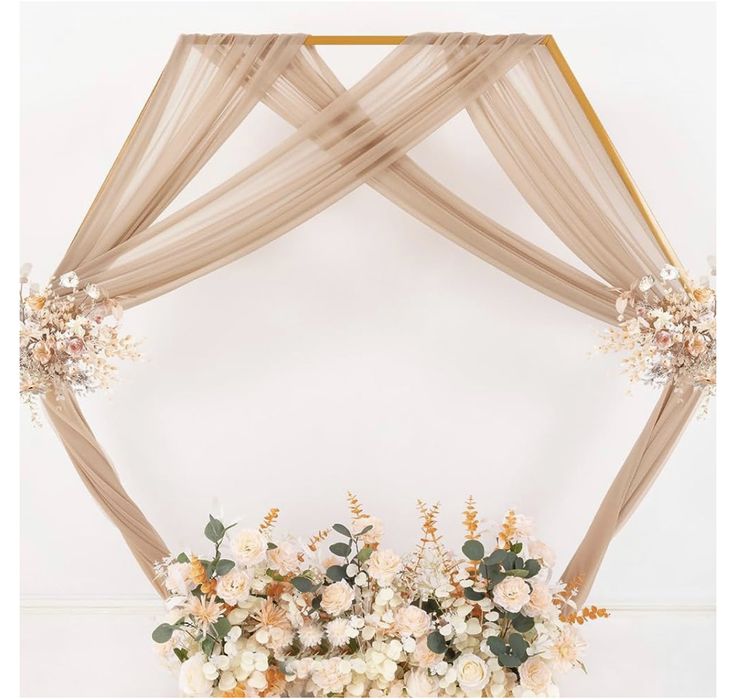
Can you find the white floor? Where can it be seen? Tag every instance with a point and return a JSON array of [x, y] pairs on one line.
[[104, 650]]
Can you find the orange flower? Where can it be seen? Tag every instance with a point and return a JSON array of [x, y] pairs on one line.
[[36, 301], [276, 683], [270, 616]]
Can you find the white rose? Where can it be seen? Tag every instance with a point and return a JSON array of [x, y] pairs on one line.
[[472, 672], [423, 656], [511, 593], [247, 546], [234, 587], [179, 578], [337, 598], [540, 600], [420, 684], [383, 566], [375, 534], [192, 681], [535, 675], [412, 621]]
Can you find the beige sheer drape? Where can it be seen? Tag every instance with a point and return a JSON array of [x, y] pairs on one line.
[[345, 138]]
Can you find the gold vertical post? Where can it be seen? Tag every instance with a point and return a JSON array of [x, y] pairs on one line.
[[615, 158]]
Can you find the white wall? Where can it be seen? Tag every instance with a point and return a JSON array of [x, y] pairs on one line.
[[362, 350]]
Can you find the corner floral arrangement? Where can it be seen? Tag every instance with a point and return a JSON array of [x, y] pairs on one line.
[[267, 615], [68, 337], [668, 332]]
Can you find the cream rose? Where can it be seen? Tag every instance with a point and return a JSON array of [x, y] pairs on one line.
[[375, 534], [337, 598], [192, 680], [234, 587], [383, 566], [511, 593], [472, 672], [540, 600], [541, 552], [412, 621], [419, 683], [247, 546], [535, 675], [284, 559]]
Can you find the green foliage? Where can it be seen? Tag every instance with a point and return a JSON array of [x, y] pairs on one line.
[[222, 626], [214, 530], [181, 653], [208, 645], [364, 531], [533, 566], [341, 549], [342, 529], [224, 566], [436, 643], [473, 595], [303, 583], [473, 549], [336, 573], [182, 558], [523, 623], [364, 554], [162, 633]]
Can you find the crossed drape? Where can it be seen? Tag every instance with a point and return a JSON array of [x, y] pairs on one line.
[[344, 138]]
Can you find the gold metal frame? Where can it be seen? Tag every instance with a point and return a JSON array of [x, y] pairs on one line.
[[554, 50]]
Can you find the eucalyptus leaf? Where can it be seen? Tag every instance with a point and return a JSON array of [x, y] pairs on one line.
[[336, 573], [214, 530], [182, 558], [523, 623], [509, 660], [162, 633], [496, 645], [341, 549], [303, 583], [533, 566], [436, 643], [516, 548], [518, 572], [364, 554], [496, 558], [208, 644], [222, 626], [518, 645], [473, 595], [365, 530], [181, 653], [473, 549], [342, 529], [224, 566]]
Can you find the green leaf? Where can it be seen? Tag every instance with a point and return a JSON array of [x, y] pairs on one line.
[[518, 572], [496, 645], [271, 546], [533, 566], [364, 554], [181, 653], [516, 548], [523, 623], [224, 566], [473, 595], [316, 602], [303, 583], [162, 633], [342, 529], [336, 573], [363, 531], [509, 560], [214, 530], [222, 626], [182, 558], [341, 549], [473, 549], [496, 558], [436, 643], [509, 660], [518, 645], [208, 644]]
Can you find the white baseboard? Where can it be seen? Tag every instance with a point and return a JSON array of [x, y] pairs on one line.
[[148, 604]]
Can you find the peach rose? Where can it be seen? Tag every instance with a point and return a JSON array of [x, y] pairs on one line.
[[511, 594], [412, 621], [383, 566], [535, 675], [36, 301], [423, 656], [419, 683], [540, 600], [337, 598]]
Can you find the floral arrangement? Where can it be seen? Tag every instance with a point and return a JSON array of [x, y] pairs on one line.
[[267, 615], [68, 337], [669, 336]]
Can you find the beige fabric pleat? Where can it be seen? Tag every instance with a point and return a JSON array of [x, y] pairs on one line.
[[206, 89], [309, 85], [535, 127]]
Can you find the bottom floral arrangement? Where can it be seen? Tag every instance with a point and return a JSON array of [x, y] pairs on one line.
[[268, 615]]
